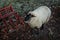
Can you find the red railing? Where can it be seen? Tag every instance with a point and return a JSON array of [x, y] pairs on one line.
[[9, 19]]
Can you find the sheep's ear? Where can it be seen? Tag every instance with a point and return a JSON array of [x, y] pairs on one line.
[[29, 12]]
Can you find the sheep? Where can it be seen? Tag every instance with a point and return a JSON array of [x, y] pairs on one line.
[[38, 17]]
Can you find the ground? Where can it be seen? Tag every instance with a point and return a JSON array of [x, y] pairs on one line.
[[51, 30]]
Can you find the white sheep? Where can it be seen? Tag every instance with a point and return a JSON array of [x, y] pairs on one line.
[[42, 15]]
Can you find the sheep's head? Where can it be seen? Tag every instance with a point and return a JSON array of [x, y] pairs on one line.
[[29, 16]]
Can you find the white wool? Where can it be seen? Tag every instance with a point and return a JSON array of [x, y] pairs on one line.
[[42, 14]]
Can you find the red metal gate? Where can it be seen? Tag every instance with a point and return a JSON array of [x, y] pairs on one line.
[[9, 19]]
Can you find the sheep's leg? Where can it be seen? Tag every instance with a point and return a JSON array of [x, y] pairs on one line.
[[41, 28]]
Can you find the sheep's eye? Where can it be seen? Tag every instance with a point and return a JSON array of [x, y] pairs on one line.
[[32, 16]]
